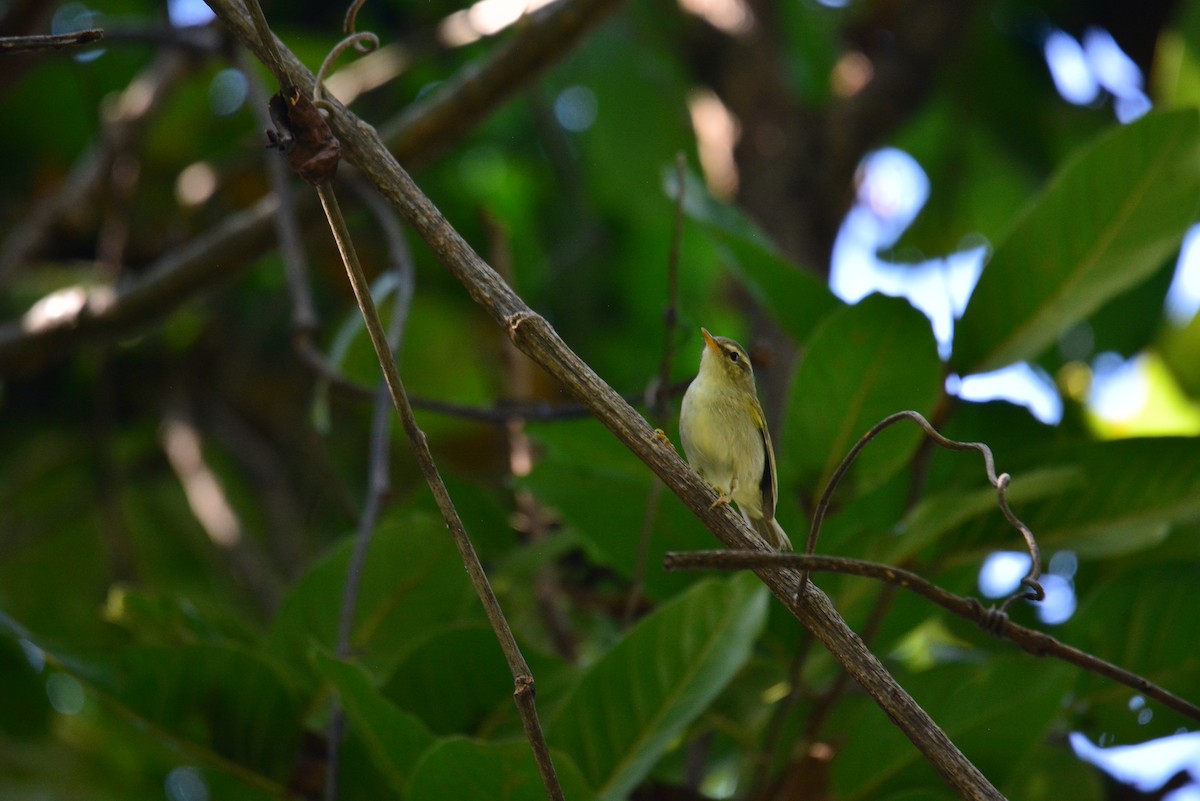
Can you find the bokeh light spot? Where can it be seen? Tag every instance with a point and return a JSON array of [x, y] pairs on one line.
[[575, 108], [65, 693], [227, 92]]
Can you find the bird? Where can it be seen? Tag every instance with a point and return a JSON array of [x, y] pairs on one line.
[[725, 437]]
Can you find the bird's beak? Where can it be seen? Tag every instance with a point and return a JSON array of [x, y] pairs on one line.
[[709, 342]]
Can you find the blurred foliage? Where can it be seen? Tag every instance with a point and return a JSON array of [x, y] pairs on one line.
[[144, 654]]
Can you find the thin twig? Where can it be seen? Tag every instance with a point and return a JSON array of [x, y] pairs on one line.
[[774, 730], [500, 413], [55, 41], [523, 679], [378, 486], [286, 217], [992, 620], [657, 394], [638, 582], [1000, 483], [671, 313]]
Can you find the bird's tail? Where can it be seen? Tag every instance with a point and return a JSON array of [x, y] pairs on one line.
[[772, 532]]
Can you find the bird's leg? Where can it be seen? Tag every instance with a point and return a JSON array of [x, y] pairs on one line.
[[723, 499]]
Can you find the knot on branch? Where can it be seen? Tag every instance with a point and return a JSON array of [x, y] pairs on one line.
[[513, 322], [524, 686]]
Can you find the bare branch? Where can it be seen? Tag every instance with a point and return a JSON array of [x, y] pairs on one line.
[[56, 41], [992, 620], [378, 480], [286, 217]]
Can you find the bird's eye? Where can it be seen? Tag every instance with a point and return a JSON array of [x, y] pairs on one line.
[[734, 356]]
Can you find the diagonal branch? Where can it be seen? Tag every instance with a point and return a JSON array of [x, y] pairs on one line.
[[534, 335]]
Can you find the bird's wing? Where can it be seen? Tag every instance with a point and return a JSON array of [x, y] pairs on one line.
[[769, 484]]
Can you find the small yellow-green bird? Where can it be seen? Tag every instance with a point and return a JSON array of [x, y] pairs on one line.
[[725, 436]]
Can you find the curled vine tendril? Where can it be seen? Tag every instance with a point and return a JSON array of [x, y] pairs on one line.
[[1033, 591], [363, 42]]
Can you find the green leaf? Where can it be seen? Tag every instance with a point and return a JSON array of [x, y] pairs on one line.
[[413, 586], [602, 492], [796, 298], [1155, 606], [1130, 493], [466, 770], [220, 698], [1133, 490], [938, 514], [632, 702], [1103, 225], [977, 182], [393, 738], [861, 365], [1152, 596], [974, 705], [453, 680]]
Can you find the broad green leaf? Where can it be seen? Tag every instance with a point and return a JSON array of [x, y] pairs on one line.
[[412, 587], [221, 700], [602, 491], [796, 298], [1130, 493], [1103, 225], [1125, 324], [862, 364], [631, 703], [977, 182], [934, 516], [467, 770], [1130, 486], [453, 680], [1156, 606], [393, 738], [974, 704]]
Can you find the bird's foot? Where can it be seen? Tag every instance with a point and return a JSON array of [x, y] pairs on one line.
[[722, 499]]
